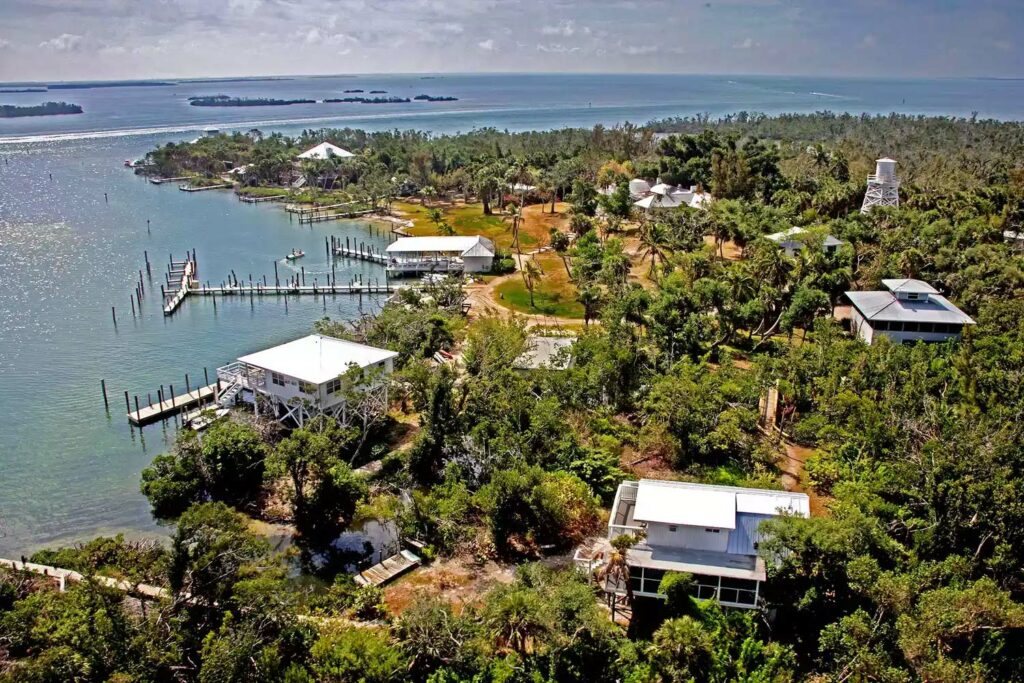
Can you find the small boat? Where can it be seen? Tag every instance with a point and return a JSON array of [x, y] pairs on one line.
[[128, 163], [296, 254]]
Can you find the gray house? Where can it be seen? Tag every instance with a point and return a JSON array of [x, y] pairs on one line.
[[908, 312]]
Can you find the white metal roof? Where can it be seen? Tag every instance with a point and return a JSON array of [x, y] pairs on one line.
[[545, 352], [475, 245], [325, 150], [886, 306], [316, 358], [909, 285], [792, 236], [705, 505], [661, 201]]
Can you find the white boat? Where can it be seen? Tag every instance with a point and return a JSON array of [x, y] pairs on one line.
[[295, 255]]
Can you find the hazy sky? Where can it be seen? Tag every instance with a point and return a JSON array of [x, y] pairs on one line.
[[84, 39]]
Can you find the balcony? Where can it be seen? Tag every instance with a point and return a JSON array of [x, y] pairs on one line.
[[621, 520], [243, 375]]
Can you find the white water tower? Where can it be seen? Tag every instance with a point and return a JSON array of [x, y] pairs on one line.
[[883, 186]]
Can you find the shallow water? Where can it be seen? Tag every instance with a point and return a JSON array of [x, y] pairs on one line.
[[68, 469]]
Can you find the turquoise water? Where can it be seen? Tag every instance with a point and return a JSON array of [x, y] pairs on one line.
[[68, 470]]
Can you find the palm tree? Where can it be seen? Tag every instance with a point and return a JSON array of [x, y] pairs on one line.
[[515, 619], [560, 243], [653, 238], [532, 272], [590, 297], [616, 572]]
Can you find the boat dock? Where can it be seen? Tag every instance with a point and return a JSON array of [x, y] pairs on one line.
[[172, 405], [191, 188], [259, 289], [257, 199], [362, 255], [181, 277], [303, 209], [161, 181], [388, 569], [322, 217]]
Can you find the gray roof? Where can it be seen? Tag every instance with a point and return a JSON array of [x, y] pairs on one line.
[[885, 306], [909, 285]]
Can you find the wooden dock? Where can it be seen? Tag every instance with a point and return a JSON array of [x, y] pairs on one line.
[[172, 405], [204, 188], [361, 254], [388, 569], [181, 278], [161, 181], [322, 217], [303, 209], [258, 289], [258, 199]]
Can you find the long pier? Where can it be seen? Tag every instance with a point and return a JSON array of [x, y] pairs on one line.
[[259, 289], [167, 407], [180, 278], [204, 188], [362, 255], [323, 217], [250, 199]]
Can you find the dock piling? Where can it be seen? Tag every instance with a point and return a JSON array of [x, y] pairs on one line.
[[132, 297], [127, 405], [103, 387], [113, 314]]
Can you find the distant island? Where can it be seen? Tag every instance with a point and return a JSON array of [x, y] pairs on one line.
[[369, 100], [355, 90], [378, 92], [432, 98], [10, 111], [107, 84], [15, 90], [225, 101]]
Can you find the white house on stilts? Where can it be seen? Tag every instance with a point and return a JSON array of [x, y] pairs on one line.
[[710, 532], [311, 376]]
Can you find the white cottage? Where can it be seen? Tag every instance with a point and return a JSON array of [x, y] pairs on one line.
[[301, 379], [442, 254], [791, 241], [710, 532], [910, 311]]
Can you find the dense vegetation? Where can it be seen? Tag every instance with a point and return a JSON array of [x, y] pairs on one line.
[[10, 111], [436, 98], [226, 101], [909, 570], [369, 100]]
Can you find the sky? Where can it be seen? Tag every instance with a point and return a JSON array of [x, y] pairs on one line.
[[103, 39]]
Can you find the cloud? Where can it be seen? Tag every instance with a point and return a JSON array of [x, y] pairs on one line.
[[869, 41], [746, 44], [486, 44], [316, 36], [4, 44], [566, 29], [557, 48], [1004, 45], [633, 50], [65, 42]]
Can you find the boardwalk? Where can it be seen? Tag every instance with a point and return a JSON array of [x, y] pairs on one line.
[[250, 199], [321, 217], [63, 576], [258, 289], [388, 569], [172, 405], [204, 188]]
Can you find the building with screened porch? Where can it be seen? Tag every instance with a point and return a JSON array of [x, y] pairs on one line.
[[710, 532]]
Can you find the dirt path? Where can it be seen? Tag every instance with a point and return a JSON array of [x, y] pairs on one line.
[[792, 464]]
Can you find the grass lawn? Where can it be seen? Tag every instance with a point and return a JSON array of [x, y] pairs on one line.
[[469, 219], [554, 294]]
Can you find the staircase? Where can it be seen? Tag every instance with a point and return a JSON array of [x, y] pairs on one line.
[[228, 396]]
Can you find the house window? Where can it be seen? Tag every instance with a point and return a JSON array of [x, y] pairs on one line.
[[334, 386], [712, 531], [913, 296], [673, 528], [277, 378], [880, 326]]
